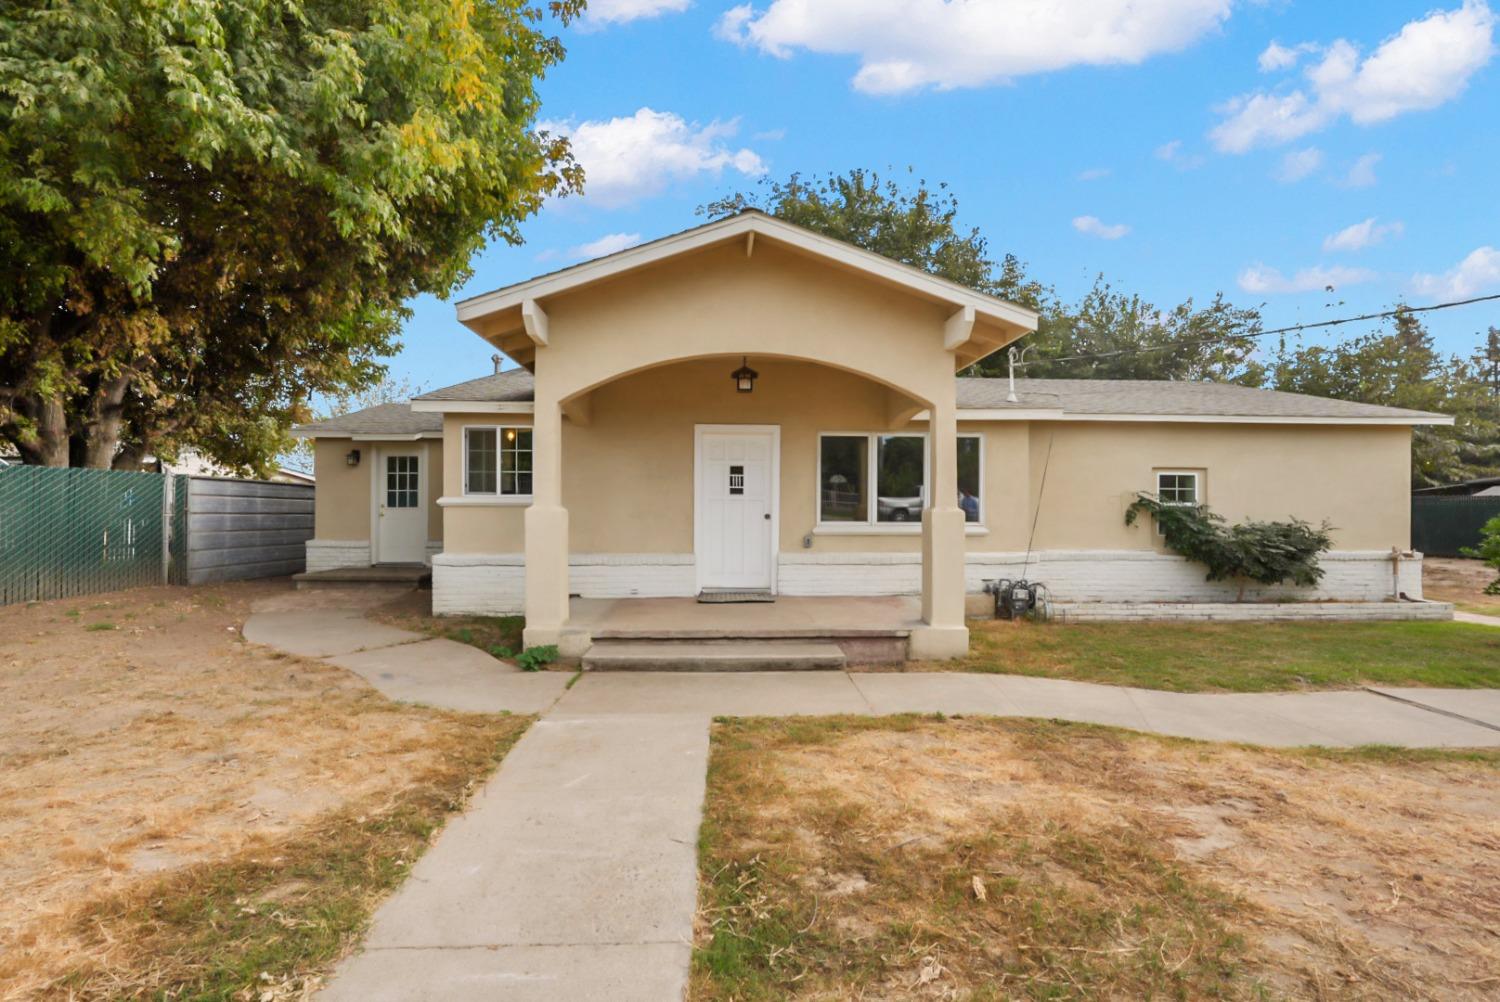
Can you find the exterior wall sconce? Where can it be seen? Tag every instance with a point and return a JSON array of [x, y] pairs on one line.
[[352, 457], [744, 377]]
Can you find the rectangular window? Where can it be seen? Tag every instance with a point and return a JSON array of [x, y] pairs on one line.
[[401, 482], [497, 461], [843, 462], [882, 479], [1177, 488], [900, 477], [970, 476]]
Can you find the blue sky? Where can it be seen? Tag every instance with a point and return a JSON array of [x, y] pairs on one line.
[[1179, 147]]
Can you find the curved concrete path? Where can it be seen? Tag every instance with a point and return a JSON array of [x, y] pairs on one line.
[[573, 874]]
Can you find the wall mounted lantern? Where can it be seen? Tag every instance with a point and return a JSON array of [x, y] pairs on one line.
[[744, 377], [352, 457]]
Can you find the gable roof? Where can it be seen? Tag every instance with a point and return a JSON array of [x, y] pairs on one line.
[[979, 399], [497, 315], [395, 420]]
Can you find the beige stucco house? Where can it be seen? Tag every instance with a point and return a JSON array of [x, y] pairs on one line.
[[751, 406]]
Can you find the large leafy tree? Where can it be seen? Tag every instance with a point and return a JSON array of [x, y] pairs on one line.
[[214, 211], [1403, 368], [1125, 336]]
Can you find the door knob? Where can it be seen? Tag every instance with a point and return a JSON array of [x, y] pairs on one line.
[[768, 516]]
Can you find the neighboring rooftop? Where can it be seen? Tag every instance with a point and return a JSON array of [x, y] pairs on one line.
[[1084, 399], [396, 420]]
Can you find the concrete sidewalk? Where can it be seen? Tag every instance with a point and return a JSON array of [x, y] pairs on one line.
[[572, 875]]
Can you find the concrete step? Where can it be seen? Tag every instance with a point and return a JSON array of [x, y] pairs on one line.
[[719, 655]]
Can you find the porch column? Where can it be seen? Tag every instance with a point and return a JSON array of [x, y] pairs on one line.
[[546, 531], [943, 634]]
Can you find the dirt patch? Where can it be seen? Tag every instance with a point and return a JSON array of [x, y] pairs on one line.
[[1461, 582], [968, 859], [141, 736]]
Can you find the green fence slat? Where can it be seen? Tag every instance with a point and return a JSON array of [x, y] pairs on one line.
[[1443, 525], [67, 532]]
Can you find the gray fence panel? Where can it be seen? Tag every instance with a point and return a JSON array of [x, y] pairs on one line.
[[1442, 525], [243, 529]]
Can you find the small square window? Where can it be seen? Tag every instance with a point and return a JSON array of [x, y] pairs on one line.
[[1177, 488]]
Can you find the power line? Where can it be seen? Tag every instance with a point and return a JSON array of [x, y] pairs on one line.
[[1259, 334]]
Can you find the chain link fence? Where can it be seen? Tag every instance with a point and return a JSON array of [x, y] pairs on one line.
[[1442, 525], [66, 532]]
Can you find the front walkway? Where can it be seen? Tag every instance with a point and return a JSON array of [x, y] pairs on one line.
[[572, 875]]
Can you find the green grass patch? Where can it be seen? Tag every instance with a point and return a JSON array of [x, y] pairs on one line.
[[99, 627], [1240, 657], [278, 915], [497, 636]]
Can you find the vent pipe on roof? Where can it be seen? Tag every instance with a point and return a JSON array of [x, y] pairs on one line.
[[496, 360], [1014, 357]]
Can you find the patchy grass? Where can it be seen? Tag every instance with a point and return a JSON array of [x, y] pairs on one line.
[[1238, 657], [922, 858], [267, 923], [498, 636], [181, 811], [1462, 582]]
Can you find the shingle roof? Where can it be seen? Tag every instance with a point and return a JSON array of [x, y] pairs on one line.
[[382, 419], [513, 384], [1136, 397], [1164, 397]]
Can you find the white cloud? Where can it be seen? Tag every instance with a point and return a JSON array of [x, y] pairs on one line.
[[1265, 280], [1094, 174], [1172, 153], [1095, 227], [628, 159], [1278, 57], [1298, 164], [602, 12], [1362, 173], [905, 45], [1426, 64], [1474, 275], [1361, 235], [610, 243]]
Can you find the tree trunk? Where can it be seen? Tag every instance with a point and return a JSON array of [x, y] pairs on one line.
[[49, 445], [130, 457], [101, 429]]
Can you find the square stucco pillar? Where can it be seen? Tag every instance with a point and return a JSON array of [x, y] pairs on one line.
[[546, 532], [943, 633]]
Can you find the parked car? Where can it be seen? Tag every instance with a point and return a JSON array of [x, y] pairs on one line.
[[899, 509]]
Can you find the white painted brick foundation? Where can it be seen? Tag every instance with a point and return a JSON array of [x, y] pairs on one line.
[[628, 575], [334, 554], [494, 584], [1129, 612], [478, 584]]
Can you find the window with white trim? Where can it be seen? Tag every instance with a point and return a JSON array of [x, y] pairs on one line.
[[497, 461], [1177, 488], [881, 479]]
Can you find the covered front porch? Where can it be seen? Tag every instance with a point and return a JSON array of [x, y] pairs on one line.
[[684, 633]]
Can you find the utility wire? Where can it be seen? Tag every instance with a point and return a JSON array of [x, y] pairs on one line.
[[1259, 334]]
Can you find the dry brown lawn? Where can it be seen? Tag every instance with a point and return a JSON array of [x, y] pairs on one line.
[[920, 858], [146, 750], [1461, 582]]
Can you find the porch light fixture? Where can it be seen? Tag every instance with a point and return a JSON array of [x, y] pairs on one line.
[[352, 457], [744, 377]]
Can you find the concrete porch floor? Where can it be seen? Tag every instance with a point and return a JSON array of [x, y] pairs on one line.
[[787, 617]]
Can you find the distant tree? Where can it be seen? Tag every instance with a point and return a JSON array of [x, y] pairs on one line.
[[1403, 368], [918, 225], [211, 213]]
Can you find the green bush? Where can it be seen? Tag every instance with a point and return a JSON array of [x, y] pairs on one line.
[[537, 658], [1488, 550], [1264, 552]]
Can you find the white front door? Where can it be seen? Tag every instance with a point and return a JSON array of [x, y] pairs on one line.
[[401, 510], [737, 470]]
